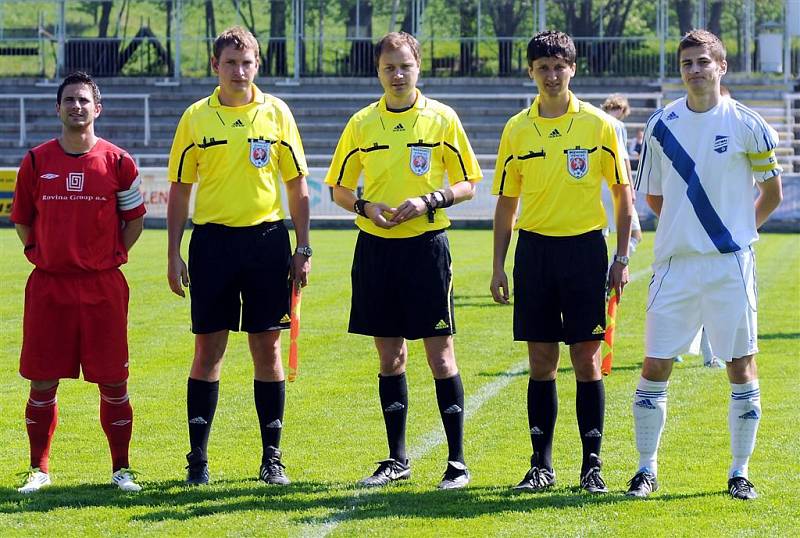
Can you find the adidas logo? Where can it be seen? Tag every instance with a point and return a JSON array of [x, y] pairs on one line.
[[442, 324], [49, 176], [453, 410], [29, 421], [275, 424], [536, 431], [598, 330], [554, 134], [750, 415], [238, 123], [286, 319], [123, 422], [646, 404], [198, 420], [593, 433], [398, 128], [672, 116], [396, 406]]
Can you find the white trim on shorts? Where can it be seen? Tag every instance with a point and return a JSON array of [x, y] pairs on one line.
[[715, 291]]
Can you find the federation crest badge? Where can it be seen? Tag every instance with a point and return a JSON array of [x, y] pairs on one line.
[[577, 162], [259, 152], [420, 160]]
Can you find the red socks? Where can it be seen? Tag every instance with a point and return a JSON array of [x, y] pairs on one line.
[[41, 417], [116, 417]]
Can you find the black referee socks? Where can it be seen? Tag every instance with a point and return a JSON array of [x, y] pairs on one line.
[[201, 404], [450, 396], [270, 399], [590, 406], [542, 413], [393, 391]]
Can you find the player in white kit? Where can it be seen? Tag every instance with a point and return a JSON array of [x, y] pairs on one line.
[[701, 157]]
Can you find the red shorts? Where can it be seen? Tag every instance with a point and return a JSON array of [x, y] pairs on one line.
[[75, 322]]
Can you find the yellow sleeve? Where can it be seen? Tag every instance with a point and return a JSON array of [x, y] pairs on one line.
[[346, 164], [291, 157], [182, 166], [612, 163], [459, 159], [507, 178]]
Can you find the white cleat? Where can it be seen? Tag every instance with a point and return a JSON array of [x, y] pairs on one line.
[[34, 481], [124, 480]]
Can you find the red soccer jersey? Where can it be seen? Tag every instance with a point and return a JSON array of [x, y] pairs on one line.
[[74, 205]]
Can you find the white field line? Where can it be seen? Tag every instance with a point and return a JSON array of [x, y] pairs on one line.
[[431, 440]]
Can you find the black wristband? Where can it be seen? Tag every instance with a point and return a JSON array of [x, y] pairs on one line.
[[358, 207], [429, 205], [447, 201]]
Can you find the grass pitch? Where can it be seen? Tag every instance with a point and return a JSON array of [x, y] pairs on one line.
[[334, 431]]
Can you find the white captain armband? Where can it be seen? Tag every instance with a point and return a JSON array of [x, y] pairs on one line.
[[131, 198]]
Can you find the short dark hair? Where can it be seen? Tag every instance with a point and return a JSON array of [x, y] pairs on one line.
[[78, 77], [703, 38], [549, 44], [394, 41], [237, 37]]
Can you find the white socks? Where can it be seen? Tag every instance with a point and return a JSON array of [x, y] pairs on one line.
[[649, 415], [744, 414]]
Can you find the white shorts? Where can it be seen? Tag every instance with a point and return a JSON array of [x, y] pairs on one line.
[[717, 291], [611, 221]]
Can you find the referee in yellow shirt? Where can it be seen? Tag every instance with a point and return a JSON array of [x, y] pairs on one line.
[[238, 145], [555, 155], [402, 276]]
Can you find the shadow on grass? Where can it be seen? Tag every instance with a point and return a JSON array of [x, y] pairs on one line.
[[174, 501], [779, 336], [473, 502]]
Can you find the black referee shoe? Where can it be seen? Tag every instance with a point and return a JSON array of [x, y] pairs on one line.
[[537, 479], [741, 488], [592, 481], [272, 470], [388, 471], [197, 470]]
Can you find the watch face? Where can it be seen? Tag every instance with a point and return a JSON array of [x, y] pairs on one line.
[[305, 251]]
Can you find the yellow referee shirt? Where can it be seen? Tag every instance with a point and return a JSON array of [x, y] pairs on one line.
[[403, 155], [556, 165], [235, 154]]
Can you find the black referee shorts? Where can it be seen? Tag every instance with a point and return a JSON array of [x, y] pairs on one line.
[[402, 287], [235, 271], [559, 288]]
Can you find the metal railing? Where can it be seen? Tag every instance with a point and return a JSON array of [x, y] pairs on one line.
[[23, 124]]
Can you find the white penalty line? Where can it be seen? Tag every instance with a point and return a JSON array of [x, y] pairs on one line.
[[434, 438], [430, 441]]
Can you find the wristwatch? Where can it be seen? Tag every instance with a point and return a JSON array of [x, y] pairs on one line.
[[305, 251], [624, 260]]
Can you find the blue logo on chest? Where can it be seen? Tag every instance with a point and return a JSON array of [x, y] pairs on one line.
[[720, 144]]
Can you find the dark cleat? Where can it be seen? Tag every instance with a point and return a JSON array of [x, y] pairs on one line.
[[642, 484], [197, 470], [272, 470], [592, 481], [741, 488], [537, 479], [388, 471]]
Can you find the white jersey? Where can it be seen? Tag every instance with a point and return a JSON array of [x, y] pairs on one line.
[[704, 166], [622, 136]]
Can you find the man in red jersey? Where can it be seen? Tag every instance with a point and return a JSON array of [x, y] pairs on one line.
[[78, 211]]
